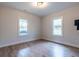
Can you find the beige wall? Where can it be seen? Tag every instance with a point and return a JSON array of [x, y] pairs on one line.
[[9, 26], [37, 27], [70, 34]]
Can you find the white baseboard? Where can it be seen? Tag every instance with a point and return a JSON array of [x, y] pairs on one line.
[[18, 41], [14, 42], [65, 43]]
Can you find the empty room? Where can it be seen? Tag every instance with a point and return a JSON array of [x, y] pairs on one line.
[[39, 29]]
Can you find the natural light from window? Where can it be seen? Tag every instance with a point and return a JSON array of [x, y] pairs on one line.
[[22, 27], [57, 26]]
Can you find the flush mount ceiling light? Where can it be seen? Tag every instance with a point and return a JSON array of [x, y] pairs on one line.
[[40, 4]]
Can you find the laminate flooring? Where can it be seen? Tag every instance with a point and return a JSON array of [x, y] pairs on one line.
[[39, 48]]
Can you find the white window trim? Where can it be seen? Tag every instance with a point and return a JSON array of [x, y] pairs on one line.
[[22, 34], [62, 26]]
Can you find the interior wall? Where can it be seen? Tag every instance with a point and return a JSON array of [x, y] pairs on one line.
[[9, 19], [70, 32], [37, 27]]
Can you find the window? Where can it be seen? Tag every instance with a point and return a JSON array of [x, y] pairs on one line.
[[57, 26], [22, 27]]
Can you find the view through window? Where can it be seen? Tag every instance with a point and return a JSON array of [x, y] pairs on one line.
[[57, 26], [22, 27]]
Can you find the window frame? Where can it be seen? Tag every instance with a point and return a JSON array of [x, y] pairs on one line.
[[55, 18], [22, 34]]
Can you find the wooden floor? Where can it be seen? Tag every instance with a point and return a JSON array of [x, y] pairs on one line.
[[39, 48]]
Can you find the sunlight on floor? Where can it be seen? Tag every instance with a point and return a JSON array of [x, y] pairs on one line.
[[58, 51], [24, 52]]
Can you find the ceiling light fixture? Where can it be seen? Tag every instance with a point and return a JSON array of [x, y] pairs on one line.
[[40, 4]]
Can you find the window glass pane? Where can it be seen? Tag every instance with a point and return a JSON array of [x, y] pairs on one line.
[[57, 26], [22, 27]]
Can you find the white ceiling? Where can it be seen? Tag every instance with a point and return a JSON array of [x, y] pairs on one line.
[[51, 8]]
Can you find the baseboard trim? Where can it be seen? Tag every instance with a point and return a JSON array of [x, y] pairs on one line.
[[65, 44], [4, 44], [33, 39]]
